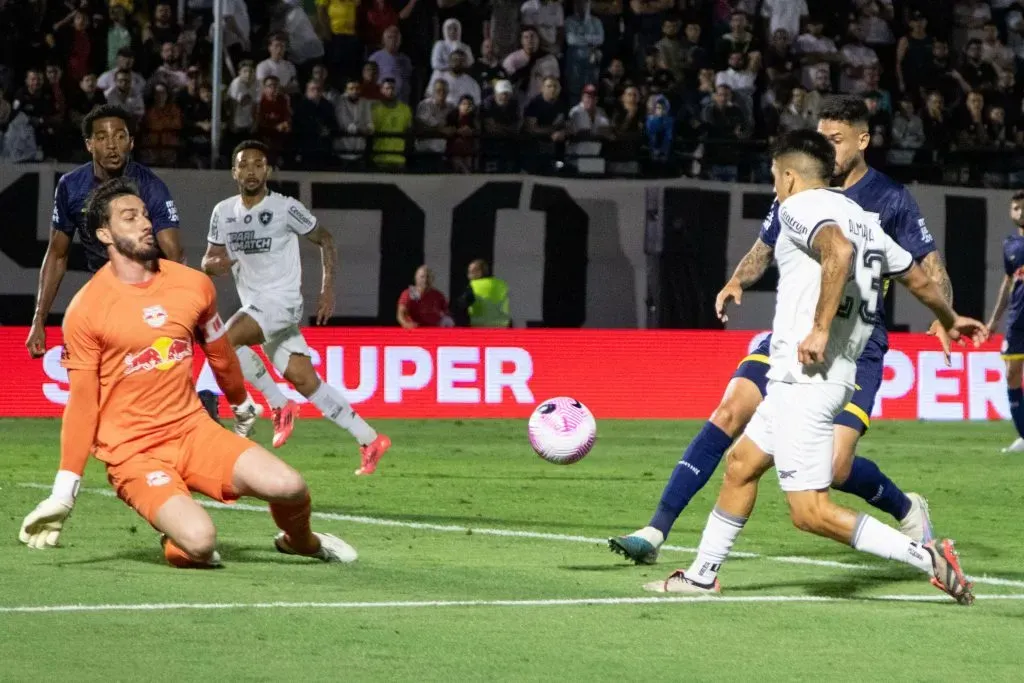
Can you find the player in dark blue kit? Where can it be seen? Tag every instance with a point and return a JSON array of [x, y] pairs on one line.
[[843, 121], [1011, 301], [108, 137]]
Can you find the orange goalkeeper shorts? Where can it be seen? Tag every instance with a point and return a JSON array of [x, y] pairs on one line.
[[201, 458]]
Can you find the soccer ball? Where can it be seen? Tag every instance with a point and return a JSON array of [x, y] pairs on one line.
[[562, 430]]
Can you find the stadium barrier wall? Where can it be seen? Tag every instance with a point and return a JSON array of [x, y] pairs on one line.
[[465, 373], [575, 252]]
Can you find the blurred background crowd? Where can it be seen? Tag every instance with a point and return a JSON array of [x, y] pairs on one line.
[[605, 87]]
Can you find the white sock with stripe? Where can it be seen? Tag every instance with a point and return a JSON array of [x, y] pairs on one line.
[[871, 536], [257, 374], [719, 534], [335, 408]]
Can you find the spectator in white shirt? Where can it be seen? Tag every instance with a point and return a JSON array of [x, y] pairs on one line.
[[738, 76], [994, 52], [587, 124], [816, 52], [276, 65], [875, 25], [856, 57], [450, 42], [125, 60], [243, 94], [460, 82], [122, 95], [432, 118], [784, 14], [741, 77], [170, 73], [548, 17]]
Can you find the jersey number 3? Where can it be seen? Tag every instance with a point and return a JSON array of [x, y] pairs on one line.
[[868, 310]]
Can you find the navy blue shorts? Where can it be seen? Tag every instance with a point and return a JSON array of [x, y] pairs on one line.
[[1013, 345], [857, 413]]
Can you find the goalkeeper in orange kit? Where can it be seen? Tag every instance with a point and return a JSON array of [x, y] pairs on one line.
[[128, 341]]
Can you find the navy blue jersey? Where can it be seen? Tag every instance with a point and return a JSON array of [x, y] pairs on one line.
[[1013, 263], [897, 212], [74, 187]]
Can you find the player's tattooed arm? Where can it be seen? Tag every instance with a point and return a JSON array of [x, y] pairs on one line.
[[835, 253], [935, 268], [753, 265], [321, 237]]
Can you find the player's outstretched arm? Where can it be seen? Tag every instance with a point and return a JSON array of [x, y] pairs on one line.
[[321, 237], [42, 527], [928, 292], [1001, 300], [749, 270], [55, 265], [835, 253]]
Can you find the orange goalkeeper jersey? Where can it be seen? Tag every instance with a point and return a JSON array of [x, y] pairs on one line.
[[139, 340]]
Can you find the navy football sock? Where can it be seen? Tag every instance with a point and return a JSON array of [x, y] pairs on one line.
[[1017, 409], [867, 481], [693, 471]]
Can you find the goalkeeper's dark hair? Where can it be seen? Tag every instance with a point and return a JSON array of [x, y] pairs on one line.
[[810, 144], [107, 111], [97, 204], [849, 109], [246, 145]]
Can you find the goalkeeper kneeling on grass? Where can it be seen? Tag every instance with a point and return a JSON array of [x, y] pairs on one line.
[[129, 336]]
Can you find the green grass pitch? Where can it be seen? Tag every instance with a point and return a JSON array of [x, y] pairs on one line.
[[444, 591]]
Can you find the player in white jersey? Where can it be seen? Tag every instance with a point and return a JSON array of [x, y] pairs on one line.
[[831, 258], [255, 236]]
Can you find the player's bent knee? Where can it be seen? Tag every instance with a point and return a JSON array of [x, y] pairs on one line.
[[197, 541], [738, 404], [302, 375]]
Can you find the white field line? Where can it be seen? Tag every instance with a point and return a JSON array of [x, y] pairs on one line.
[[513, 533], [572, 602]]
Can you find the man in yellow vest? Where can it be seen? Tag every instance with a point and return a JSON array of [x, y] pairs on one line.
[[486, 298]]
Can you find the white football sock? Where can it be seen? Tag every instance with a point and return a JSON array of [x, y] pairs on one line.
[[255, 371], [719, 534], [335, 408], [871, 536]]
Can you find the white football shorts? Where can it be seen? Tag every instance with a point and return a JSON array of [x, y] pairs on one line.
[[280, 325], [793, 424]]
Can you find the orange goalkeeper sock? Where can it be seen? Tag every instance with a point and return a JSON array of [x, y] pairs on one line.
[[179, 558], [293, 520]]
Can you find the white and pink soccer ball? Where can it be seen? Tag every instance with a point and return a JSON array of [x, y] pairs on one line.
[[562, 430]]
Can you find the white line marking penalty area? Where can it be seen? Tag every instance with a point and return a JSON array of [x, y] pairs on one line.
[[513, 533]]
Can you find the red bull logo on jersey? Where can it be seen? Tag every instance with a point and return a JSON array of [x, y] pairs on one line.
[[163, 354]]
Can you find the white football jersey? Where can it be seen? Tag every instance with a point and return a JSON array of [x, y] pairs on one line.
[[876, 257], [264, 240]]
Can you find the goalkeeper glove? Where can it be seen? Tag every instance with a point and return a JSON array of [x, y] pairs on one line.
[[41, 528], [246, 413]]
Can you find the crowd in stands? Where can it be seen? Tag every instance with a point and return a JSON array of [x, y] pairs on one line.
[[696, 87]]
